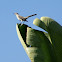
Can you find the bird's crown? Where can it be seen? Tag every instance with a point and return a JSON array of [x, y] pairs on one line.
[[15, 13]]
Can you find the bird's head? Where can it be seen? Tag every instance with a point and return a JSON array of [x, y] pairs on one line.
[[15, 13]]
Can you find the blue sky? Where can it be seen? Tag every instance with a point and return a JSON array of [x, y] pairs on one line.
[[11, 49]]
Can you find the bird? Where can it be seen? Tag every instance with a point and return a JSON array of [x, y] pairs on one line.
[[21, 18]]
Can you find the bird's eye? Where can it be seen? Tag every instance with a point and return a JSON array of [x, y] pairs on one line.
[[17, 13]]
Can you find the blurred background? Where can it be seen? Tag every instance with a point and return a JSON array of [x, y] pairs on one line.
[[11, 49]]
